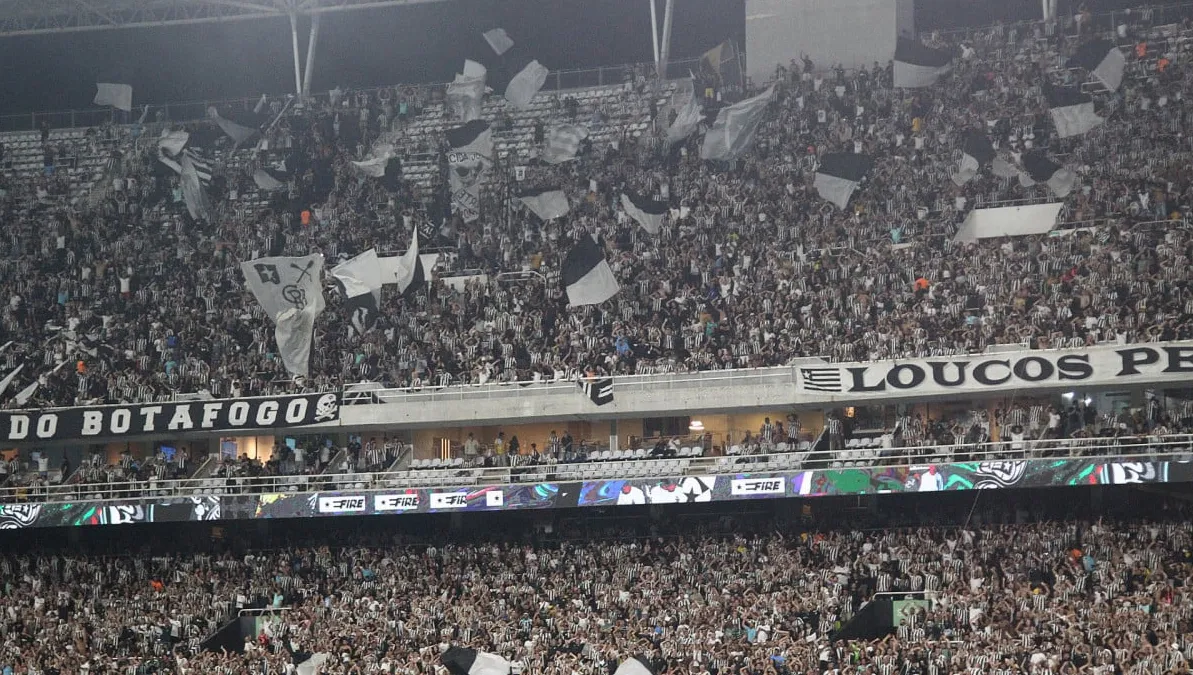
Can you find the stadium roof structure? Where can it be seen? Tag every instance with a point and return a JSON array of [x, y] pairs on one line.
[[42, 17]]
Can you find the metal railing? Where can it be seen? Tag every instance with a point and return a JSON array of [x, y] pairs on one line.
[[189, 111], [1177, 446], [773, 375]]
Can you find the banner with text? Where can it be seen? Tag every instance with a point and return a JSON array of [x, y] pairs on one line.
[[1099, 366], [106, 422]]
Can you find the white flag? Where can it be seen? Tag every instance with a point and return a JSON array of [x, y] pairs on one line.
[[563, 142], [119, 96], [4, 384], [290, 290], [733, 132], [360, 275], [498, 40]]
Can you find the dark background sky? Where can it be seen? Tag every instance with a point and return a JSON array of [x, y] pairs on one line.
[[421, 43]]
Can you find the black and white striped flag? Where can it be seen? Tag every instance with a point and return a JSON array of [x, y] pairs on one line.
[[821, 379], [598, 390]]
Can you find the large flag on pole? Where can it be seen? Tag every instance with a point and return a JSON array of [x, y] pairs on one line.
[[1039, 169], [546, 203], [360, 280], [1104, 60], [466, 661], [466, 93], [290, 290], [733, 132], [646, 212], [839, 176], [587, 276], [917, 65], [977, 152], [119, 96], [468, 162], [1072, 111]]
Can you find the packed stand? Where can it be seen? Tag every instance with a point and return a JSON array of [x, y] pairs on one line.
[[122, 297], [1104, 596]]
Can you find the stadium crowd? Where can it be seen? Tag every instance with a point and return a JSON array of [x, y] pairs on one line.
[[137, 302], [706, 597]]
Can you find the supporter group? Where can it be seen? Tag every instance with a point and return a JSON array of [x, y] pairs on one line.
[[116, 295], [704, 597]]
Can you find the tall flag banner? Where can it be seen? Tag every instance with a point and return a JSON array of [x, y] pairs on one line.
[[977, 152], [636, 665], [468, 160], [290, 290], [1072, 111], [546, 203], [466, 93], [237, 131], [721, 66], [840, 174], [119, 96], [646, 212], [374, 167], [466, 661], [562, 143], [498, 40], [733, 132], [598, 390], [197, 202], [360, 281], [587, 276], [1104, 60], [917, 65], [1039, 169]]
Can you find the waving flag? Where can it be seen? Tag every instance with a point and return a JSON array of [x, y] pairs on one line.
[[193, 192], [587, 277], [636, 665], [466, 93], [917, 65], [545, 203], [498, 40], [466, 661], [977, 152], [721, 66], [1039, 169], [1072, 111], [733, 132], [646, 212], [839, 176], [519, 78], [563, 142], [119, 96], [360, 281], [290, 290], [1104, 60]]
